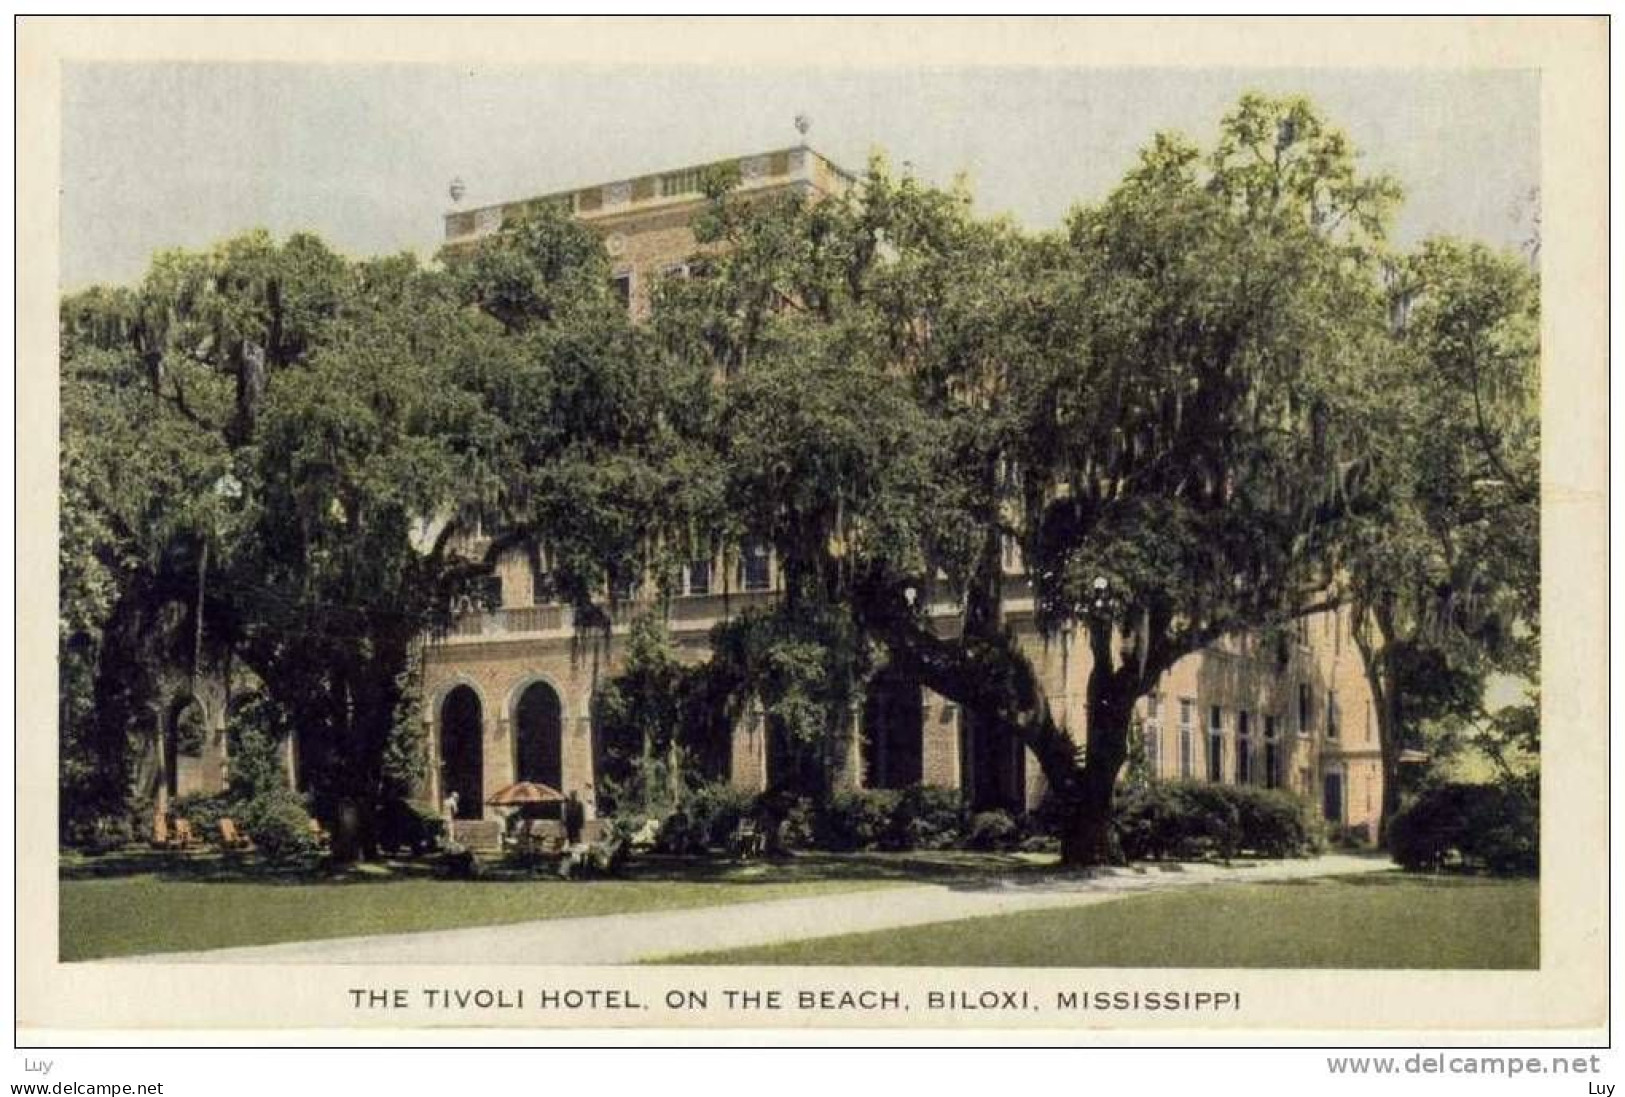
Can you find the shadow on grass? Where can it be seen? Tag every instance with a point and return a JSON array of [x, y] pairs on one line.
[[1398, 878], [958, 868]]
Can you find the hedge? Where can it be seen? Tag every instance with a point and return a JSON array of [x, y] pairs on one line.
[[1488, 827], [1192, 820]]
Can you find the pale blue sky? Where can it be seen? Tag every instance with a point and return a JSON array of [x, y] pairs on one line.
[[165, 155]]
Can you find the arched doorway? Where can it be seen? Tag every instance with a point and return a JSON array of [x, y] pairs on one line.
[[184, 736], [538, 741], [893, 732], [462, 749]]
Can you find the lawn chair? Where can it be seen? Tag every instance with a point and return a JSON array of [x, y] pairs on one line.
[[184, 837], [747, 841], [230, 837]]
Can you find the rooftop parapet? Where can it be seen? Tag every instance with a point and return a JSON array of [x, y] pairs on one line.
[[799, 166]]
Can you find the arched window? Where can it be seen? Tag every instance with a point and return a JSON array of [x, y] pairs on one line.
[[539, 736], [462, 751]]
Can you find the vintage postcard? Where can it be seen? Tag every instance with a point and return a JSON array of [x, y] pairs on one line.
[[1074, 530]]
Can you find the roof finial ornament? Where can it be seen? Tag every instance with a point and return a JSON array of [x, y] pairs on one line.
[[457, 189], [803, 124]]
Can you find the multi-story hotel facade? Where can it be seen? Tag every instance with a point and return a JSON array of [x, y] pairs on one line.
[[508, 693]]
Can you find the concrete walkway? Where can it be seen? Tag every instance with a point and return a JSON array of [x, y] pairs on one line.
[[629, 938]]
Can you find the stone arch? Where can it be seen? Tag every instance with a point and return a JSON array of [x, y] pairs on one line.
[[461, 727], [186, 739]]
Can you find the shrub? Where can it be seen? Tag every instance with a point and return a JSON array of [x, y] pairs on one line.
[[458, 862], [403, 825], [795, 828], [279, 826], [1480, 826], [714, 811], [991, 830], [205, 812], [677, 834], [1191, 820], [1276, 823], [256, 767], [858, 819], [99, 834], [928, 817]]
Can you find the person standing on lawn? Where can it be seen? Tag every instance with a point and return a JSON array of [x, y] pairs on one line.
[[574, 817]]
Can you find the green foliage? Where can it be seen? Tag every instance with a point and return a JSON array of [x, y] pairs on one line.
[[96, 835], [855, 819], [1488, 827], [407, 827], [651, 721], [802, 664], [256, 767], [1193, 820], [543, 270], [279, 826], [1445, 574], [929, 817], [992, 830], [204, 812], [715, 810]]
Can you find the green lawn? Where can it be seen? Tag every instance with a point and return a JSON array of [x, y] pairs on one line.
[[1382, 921], [143, 903]]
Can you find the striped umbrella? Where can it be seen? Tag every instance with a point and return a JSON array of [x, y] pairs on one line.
[[522, 793]]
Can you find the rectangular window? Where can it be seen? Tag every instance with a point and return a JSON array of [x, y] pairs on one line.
[[679, 182], [491, 591], [1244, 749], [1272, 755], [1333, 717], [1303, 631], [755, 567], [699, 577], [1337, 632], [1187, 737], [1215, 744], [621, 287], [1306, 709]]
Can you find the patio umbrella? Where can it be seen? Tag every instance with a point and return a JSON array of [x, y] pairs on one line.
[[524, 793]]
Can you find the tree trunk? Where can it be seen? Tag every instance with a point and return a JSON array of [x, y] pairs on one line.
[[347, 837], [1087, 836]]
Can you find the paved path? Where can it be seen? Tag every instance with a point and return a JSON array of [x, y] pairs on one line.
[[629, 938]]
